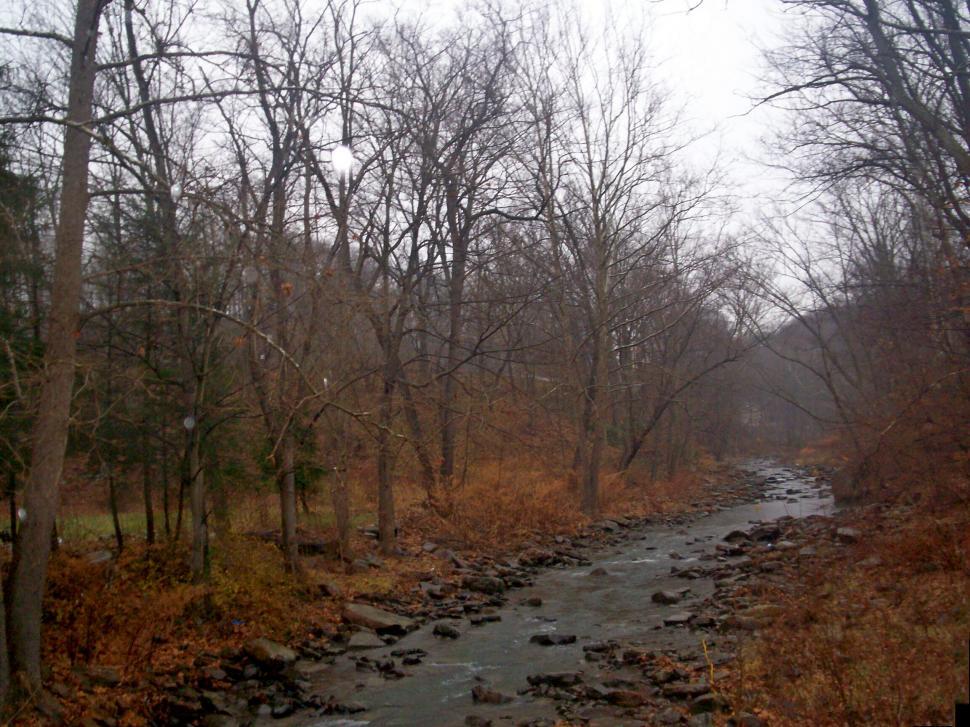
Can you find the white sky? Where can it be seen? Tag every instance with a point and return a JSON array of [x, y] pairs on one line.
[[710, 58], [713, 58]]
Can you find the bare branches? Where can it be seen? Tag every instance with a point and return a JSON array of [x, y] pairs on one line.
[[39, 34]]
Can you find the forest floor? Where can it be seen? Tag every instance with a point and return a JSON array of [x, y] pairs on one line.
[[860, 626]]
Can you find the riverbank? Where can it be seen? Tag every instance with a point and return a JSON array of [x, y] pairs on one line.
[[862, 620], [581, 641], [129, 638]]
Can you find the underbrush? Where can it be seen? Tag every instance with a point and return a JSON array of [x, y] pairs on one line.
[[875, 634], [139, 617], [919, 455], [504, 506]]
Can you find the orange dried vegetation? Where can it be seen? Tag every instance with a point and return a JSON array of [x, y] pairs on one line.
[[874, 634]]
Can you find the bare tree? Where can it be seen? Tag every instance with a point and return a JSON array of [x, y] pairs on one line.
[[49, 436]]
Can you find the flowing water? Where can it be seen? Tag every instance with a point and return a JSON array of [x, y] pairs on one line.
[[592, 607]]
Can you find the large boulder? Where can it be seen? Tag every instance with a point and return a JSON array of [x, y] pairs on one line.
[[383, 622]]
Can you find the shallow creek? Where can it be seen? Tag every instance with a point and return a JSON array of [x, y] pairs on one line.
[[579, 601]]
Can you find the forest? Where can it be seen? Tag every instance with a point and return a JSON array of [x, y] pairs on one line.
[[307, 305]]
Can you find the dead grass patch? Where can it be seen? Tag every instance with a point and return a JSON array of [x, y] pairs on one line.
[[875, 634]]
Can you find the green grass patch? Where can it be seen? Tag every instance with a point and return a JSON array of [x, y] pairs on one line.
[[80, 527]]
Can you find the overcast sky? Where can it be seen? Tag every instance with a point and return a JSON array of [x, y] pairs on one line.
[[713, 58], [710, 58]]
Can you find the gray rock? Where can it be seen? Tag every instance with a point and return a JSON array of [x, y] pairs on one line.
[[364, 640], [329, 588], [215, 674], [433, 591], [219, 720], [707, 703], [665, 597], [746, 719], [848, 535], [483, 695], [483, 584], [269, 653], [682, 690], [766, 533], [556, 679], [380, 621], [608, 526], [552, 639], [283, 708], [446, 631], [677, 619], [626, 698], [701, 720], [668, 716]]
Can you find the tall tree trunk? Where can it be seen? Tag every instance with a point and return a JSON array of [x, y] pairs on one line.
[[12, 501], [341, 511], [386, 524], [113, 505], [418, 441], [456, 292], [50, 429], [165, 490], [200, 534], [4, 654], [597, 426], [146, 488], [180, 505], [598, 395], [286, 478]]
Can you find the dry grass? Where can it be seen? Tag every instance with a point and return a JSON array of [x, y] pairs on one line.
[[504, 510], [874, 635], [506, 504]]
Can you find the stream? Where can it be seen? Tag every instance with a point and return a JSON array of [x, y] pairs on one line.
[[580, 601]]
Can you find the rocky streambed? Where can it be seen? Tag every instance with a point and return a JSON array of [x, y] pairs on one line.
[[621, 625]]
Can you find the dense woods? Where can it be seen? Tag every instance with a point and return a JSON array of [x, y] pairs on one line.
[[363, 262]]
